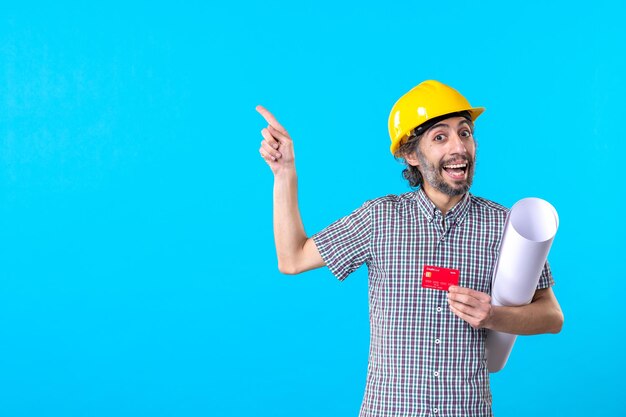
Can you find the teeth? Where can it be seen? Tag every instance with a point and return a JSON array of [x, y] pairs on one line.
[[455, 166]]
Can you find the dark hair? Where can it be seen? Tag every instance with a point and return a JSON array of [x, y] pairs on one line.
[[409, 145]]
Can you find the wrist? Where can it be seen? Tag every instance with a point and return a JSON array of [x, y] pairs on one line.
[[285, 172], [491, 321]]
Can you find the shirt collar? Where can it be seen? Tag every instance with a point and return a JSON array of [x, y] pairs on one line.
[[456, 214]]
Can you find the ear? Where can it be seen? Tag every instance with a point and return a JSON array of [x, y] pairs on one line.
[[411, 159]]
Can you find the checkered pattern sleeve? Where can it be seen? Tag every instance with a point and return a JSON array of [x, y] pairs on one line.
[[345, 244], [545, 280]]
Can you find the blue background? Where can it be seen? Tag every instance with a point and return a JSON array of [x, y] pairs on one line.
[[137, 269]]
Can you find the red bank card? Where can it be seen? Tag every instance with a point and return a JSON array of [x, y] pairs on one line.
[[439, 278]]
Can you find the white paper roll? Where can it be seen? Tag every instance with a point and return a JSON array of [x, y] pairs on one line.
[[528, 234]]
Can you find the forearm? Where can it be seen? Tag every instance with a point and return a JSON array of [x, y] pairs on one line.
[[289, 234], [542, 315]]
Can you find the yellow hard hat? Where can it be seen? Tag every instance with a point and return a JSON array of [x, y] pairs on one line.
[[422, 103]]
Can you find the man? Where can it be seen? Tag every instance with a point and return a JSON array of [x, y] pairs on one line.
[[427, 346]]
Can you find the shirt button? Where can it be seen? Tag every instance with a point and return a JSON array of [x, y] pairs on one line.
[[436, 373], [435, 410], [438, 309], [437, 341]]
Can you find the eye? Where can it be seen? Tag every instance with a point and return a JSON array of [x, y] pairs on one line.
[[439, 137], [466, 133]]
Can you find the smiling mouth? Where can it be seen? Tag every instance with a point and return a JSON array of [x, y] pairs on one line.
[[456, 171]]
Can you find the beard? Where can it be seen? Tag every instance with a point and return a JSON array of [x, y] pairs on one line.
[[433, 174]]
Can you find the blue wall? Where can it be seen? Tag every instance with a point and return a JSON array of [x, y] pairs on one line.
[[137, 267]]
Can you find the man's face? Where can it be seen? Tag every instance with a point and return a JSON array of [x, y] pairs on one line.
[[446, 155]]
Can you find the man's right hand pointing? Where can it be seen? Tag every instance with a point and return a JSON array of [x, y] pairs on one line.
[[276, 146]]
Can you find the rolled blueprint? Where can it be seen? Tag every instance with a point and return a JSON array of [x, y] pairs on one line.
[[528, 234]]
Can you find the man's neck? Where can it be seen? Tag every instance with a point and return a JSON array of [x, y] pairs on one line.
[[442, 201]]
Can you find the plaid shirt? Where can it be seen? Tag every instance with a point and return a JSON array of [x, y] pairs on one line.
[[423, 359]]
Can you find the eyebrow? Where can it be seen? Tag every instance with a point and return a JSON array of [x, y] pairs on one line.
[[464, 121]]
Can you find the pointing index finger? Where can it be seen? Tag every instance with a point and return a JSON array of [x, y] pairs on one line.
[[269, 118]]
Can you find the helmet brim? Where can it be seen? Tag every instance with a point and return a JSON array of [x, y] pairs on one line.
[[473, 111]]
